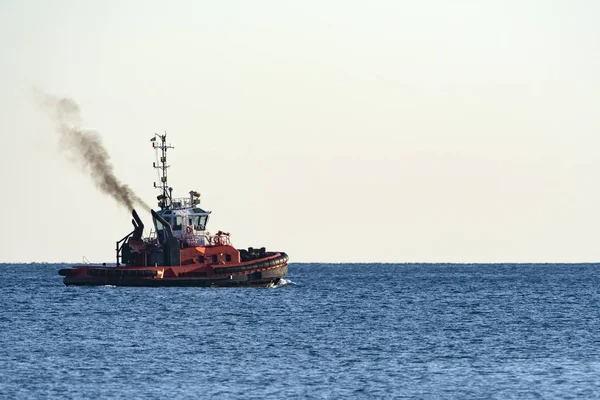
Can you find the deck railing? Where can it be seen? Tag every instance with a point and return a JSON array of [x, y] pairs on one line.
[[220, 239]]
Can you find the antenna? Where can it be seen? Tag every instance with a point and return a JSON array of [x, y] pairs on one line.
[[164, 199]]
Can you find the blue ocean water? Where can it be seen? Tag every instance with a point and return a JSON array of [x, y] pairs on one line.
[[422, 331]]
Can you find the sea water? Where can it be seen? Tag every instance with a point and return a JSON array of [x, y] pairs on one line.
[[429, 331]]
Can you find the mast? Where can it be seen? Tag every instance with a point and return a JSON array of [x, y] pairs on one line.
[[165, 198]]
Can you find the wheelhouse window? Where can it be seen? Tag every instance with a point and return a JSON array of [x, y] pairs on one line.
[[199, 222], [159, 225], [178, 222], [161, 230]]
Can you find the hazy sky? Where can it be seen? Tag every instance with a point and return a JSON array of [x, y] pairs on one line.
[[460, 131]]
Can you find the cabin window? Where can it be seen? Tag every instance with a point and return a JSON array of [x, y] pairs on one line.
[[159, 225], [227, 257], [178, 222], [199, 222], [201, 259], [214, 259], [161, 230]]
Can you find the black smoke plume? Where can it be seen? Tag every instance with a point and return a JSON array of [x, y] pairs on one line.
[[84, 148]]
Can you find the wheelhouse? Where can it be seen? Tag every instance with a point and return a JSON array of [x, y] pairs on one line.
[[185, 220]]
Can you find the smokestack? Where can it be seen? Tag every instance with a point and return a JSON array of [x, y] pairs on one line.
[[86, 150]]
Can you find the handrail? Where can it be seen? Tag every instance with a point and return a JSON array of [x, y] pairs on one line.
[[195, 240], [221, 239], [119, 248]]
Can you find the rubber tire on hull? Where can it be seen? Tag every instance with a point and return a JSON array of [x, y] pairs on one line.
[[279, 260]]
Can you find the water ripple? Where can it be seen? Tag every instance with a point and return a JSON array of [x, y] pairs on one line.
[[330, 331]]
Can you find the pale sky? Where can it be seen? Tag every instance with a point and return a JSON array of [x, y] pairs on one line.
[[336, 131]]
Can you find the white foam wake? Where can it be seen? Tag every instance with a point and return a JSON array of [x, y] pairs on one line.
[[282, 282]]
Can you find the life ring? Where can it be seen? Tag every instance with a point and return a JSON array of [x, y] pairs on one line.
[[188, 230]]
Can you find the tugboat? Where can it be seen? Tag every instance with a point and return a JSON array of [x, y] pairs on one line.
[[180, 251]]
